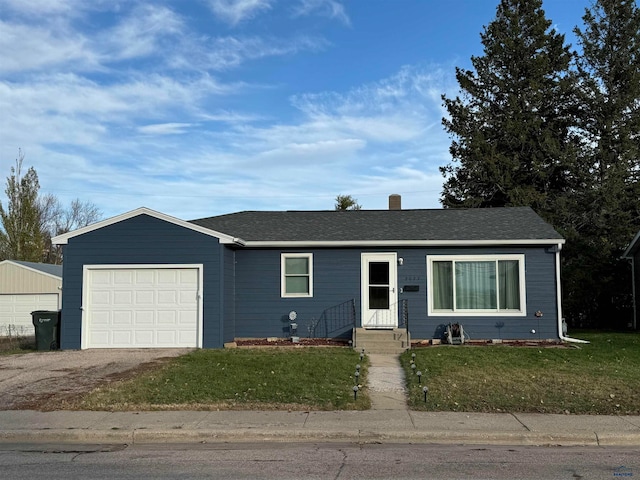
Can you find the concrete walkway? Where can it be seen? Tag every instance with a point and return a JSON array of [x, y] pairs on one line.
[[386, 382], [27, 426]]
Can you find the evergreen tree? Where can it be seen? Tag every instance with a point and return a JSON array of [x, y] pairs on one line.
[[21, 236], [609, 122], [511, 128]]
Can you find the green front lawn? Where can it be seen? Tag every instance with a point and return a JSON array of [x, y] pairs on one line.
[[602, 377], [273, 378]]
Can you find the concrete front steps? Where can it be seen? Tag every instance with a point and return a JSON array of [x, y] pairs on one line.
[[390, 341]]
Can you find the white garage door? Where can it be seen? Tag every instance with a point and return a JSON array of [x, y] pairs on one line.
[[15, 311], [141, 308]]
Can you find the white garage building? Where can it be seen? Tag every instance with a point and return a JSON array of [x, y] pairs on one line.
[[25, 287]]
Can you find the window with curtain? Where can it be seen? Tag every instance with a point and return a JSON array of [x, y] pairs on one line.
[[297, 274], [478, 284]]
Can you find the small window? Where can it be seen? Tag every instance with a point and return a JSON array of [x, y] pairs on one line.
[[297, 274], [479, 285]]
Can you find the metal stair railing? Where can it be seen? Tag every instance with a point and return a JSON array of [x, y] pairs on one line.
[[336, 319]]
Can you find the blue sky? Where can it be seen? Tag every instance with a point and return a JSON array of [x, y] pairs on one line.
[[204, 107]]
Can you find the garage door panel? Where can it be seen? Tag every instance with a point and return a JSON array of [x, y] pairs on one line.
[[166, 318], [185, 297], [123, 277], [144, 317], [145, 297], [100, 297], [101, 277], [168, 277], [185, 317], [15, 311], [188, 277], [100, 338], [144, 277], [122, 337], [123, 297], [122, 317], [143, 307], [168, 297], [167, 337]]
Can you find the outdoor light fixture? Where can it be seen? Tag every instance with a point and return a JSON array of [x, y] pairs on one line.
[[358, 367], [357, 375], [400, 261], [413, 367], [355, 392], [413, 355], [419, 373], [350, 343], [425, 390], [361, 356]]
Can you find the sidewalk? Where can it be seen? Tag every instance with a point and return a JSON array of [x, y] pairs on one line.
[[389, 420], [351, 426]]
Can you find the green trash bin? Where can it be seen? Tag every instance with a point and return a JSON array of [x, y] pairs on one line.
[[47, 323]]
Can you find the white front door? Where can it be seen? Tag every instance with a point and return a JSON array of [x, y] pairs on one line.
[[379, 290]]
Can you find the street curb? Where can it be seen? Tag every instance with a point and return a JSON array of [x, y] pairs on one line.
[[147, 436]]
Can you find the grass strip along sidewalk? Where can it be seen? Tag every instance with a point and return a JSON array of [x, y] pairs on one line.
[[273, 378], [602, 377]]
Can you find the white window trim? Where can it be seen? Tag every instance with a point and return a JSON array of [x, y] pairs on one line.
[[283, 284], [522, 312]]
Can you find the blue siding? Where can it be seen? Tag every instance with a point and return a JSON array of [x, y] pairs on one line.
[[261, 312], [229, 293], [260, 309], [142, 240]]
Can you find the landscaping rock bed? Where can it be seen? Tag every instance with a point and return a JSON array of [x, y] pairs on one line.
[[287, 342]]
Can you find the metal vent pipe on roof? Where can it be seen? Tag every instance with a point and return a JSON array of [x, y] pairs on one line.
[[395, 202]]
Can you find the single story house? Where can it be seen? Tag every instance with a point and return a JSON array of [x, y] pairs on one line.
[[633, 255], [146, 279], [24, 288]]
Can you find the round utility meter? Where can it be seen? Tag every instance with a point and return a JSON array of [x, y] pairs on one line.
[[293, 315]]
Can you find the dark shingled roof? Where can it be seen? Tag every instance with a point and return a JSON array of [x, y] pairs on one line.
[[499, 224], [55, 270]]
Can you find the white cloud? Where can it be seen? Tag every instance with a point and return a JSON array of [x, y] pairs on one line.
[[328, 8], [231, 117], [140, 33], [224, 53], [164, 128], [44, 8], [26, 47], [236, 11]]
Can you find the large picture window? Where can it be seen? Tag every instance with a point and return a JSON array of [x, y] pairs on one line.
[[476, 285], [297, 274]]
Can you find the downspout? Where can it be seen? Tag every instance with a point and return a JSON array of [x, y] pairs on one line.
[[559, 301]]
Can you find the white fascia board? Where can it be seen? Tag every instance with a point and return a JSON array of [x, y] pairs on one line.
[[627, 252], [35, 270], [224, 238], [404, 243]]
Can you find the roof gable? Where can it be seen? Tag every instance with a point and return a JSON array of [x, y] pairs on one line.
[[41, 268], [516, 225], [64, 238]]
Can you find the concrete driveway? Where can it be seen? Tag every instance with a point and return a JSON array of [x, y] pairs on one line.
[[48, 380]]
